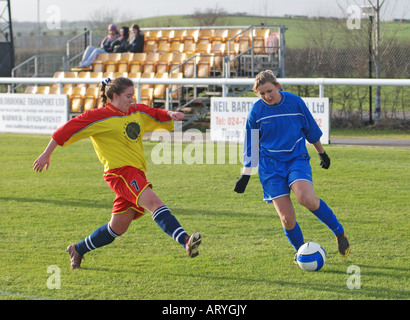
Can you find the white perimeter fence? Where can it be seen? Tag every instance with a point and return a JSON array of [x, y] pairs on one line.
[[225, 83]]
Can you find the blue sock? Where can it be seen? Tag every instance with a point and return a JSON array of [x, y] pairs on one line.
[[100, 237], [326, 215], [295, 236], [167, 222]]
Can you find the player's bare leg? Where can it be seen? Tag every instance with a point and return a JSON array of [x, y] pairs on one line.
[[287, 215], [305, 194], [119, 223], [286, 212]]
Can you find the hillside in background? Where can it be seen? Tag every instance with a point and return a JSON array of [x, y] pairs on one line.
[[296, 25], [53, 41]]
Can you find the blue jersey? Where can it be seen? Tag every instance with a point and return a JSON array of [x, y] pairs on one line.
[[279, 130]]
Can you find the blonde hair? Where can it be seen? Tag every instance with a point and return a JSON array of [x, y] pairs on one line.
[[262, 78], [117, 85]]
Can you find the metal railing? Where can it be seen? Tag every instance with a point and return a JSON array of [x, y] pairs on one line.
[[76, 47], [38, 66], [224, 83]]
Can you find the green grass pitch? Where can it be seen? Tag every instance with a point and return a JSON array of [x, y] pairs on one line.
[[244, 254]]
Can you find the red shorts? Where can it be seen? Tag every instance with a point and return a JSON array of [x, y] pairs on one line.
[[127, 183]]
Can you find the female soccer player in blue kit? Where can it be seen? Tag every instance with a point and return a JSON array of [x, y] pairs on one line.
[[276, 129]]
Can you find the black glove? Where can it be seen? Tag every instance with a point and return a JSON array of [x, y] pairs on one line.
[[241, 184], [324, 160]]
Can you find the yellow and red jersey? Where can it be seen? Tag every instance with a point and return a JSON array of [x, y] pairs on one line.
[[116, 136]]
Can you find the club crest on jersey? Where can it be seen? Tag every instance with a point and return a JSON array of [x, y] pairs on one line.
[[132, 131]]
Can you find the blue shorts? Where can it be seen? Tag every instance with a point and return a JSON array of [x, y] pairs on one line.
[[277, 177]]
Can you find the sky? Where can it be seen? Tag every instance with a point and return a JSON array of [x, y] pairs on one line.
[[74, 10]]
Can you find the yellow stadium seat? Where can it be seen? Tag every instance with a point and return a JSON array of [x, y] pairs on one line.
[[220, 35], [176, 88], [232, 33], [147, 95], [218, 49], [165, 36], [70, 74], [58, 74], [43, 90], [120, 74], [108, 75], [203, 48], [123, 61], [83, 75], [178, 35], [159, 89], [204, 65], [76, 99], [110, 65], [163, 62], [262, 33], [147, 75], [90, 98], [30, 89], [189, 66], [135, 65], [205, 35], [233, 52], [176, 47], [163, 47], [68, 90], [243, 45], [95, 75], [244, 40], [191, 36], [149, 64], [189, 47], [134, 75], [177, 59], [54, 90], [98, 64], [151, 47], [152, 35], [260, 39], [233, 48]]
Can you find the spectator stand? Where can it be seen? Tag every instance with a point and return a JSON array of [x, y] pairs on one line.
[[180, 52]]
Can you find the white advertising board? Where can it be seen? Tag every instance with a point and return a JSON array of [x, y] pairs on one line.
[[32, 113], [228, 117]]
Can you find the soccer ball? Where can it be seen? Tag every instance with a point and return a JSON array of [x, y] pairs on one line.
[[311, 256]]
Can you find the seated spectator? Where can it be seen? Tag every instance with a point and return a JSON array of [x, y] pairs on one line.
[[136, 40], [91, 53], [121, 43]]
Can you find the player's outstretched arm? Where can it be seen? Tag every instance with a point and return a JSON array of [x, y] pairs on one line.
[[43, 161], [175, 115]]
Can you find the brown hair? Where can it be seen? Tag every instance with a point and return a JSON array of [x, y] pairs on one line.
[[117, 85], [264, 77]]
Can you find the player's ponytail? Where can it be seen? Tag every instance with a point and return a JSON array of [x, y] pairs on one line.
[[104, 84], [117, 85]]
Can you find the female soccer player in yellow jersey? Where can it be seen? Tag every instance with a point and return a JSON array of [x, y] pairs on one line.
[[116, 132]]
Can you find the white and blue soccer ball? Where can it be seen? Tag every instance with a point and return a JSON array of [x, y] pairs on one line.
[[311, 256]]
